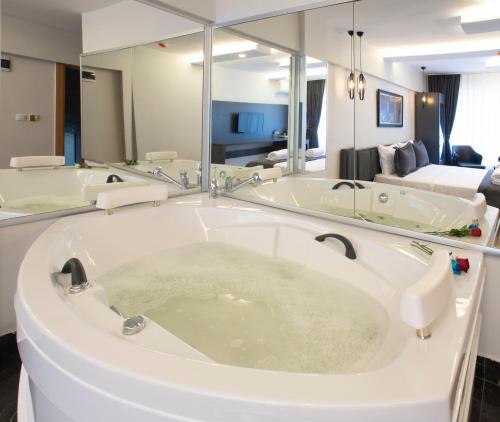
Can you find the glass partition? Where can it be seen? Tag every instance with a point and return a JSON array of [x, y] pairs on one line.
[[282, 112]]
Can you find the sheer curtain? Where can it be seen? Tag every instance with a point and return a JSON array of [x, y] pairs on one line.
[[478, 115]]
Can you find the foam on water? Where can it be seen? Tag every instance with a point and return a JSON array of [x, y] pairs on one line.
[[241, 308], [43, 203]]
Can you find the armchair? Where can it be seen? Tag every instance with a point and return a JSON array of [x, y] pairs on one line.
[[465, 156]]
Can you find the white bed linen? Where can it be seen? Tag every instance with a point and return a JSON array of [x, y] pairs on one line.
[[451, 180]]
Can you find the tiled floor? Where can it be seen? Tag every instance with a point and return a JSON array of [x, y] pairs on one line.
[[485, 405], [10, 365]]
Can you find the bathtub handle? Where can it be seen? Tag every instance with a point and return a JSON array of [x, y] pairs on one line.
[[114, 178], [79, 281], [349, 248], [351, 185]]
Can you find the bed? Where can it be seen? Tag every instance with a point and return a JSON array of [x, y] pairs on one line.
[[463, 182], [450, 180]]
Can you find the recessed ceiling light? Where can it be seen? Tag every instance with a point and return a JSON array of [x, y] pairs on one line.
[[242, 55]]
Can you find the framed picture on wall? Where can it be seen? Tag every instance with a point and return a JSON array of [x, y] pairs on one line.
[[389, 109]]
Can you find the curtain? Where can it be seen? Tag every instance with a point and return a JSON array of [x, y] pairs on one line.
[[449, 86], [476, 123], [315, 92]]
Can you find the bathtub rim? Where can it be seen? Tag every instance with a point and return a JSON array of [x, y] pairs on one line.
[[439, 393]]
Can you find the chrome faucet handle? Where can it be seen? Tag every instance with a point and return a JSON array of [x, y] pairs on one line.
[[183, 175], [214, 188], [222, 175], [228, 183], [198, 178], [157, 171]]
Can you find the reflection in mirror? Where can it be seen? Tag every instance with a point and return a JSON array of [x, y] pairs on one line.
[[152, 118], [424, 153], [41, 147], [281, 101]]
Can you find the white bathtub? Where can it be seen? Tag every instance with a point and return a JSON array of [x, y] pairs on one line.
[[31, 200], [82, 368], [381, 203], [34, 191]]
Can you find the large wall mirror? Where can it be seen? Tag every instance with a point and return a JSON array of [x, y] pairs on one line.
[[421, 154], [142, 109], [281, 101], [126, 117]]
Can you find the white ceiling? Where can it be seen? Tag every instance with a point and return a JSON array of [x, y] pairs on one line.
[[61, 14], [428, 32], [419, 32]]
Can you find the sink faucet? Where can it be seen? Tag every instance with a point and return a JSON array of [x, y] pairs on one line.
[[230, 186], [184, 180]]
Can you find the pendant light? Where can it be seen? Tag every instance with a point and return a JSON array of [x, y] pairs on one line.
[[424, 94], [361, 77], [351, 83]]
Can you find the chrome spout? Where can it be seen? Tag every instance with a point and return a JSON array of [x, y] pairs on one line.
[[230, 186], [184, 180]]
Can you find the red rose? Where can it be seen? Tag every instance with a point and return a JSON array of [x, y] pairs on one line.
[[464, 264], [475, 232]]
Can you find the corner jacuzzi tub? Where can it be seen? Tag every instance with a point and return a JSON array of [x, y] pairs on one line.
[[30, 201], [396, 206], [247, 318], [34, 191]]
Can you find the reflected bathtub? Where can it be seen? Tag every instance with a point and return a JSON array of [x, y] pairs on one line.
[[82, 367], [396, 206], [34, 191]]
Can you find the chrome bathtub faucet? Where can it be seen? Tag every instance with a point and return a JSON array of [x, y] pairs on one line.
[[230, 186], [184, 180]]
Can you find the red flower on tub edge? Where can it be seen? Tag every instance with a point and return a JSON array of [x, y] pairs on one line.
[[475, 232], [464, 264]]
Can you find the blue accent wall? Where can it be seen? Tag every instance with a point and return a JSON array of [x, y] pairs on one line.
[[225, 121]]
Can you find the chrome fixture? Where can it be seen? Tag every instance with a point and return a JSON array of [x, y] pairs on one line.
[[184, 180], [424, 333], [383, 198], [230, 186], [214, 188], [351, 80], [424, 95], [116, 310], [349, 248], [133, 325], [79, 281], [361, 77]]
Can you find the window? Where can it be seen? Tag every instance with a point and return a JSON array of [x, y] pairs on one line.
[[476, 120]]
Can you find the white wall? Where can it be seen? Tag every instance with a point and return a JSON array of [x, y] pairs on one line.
[[39, 41], [119, 60], [230, 10], [280, 31], [204, 8], [103, 136], [167, 103], [28, 88], [130, 23], [247, 87]]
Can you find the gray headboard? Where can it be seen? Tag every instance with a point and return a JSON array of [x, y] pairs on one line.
[[361, 164]]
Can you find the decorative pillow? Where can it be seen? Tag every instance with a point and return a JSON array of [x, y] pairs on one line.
[[386, 156], [421, 156], [405, 161]]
